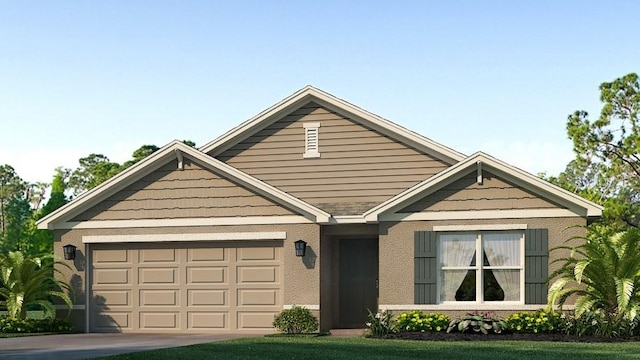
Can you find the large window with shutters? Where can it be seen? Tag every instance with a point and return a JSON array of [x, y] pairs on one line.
[[484, 267], [481, 267]]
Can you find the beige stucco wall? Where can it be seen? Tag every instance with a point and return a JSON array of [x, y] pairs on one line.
[[301, 275], [397, 242]]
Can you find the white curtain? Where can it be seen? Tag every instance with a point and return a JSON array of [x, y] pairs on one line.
[[457, 251], [504, 250]]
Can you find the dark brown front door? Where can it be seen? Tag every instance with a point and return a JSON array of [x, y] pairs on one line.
[[358, 281]]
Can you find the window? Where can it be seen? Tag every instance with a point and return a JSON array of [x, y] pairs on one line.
[[311, 140], [481, 267]]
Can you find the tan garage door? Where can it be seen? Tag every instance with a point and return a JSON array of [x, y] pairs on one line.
[[185, 287]]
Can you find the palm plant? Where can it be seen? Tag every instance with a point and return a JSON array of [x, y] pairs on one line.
[[29, 281], [603, 273]]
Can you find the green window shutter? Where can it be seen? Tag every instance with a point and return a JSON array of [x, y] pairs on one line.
[[536, 265], [425, 267]]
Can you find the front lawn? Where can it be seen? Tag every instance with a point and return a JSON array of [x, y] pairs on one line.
[[363, 348]]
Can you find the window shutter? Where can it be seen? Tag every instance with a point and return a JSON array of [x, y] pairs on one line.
[[536, 265], [425, 267]]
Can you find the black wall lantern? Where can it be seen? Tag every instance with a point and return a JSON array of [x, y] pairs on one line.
[[301, 247], [69, 252]]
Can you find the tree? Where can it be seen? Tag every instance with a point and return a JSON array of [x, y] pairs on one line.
[[12, 193], [93, 170], [608, 149], [28, 281], [141, 153]]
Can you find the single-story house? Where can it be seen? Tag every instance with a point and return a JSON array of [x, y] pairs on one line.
[[204, 240]]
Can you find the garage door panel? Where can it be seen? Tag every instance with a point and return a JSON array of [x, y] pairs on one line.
[[158, 255], [111, 256], [159, 320], [254, 320], [257, 274], [208, 297], [207, 275], [159, 297], [108, 321], [112, 276], [206, 254], [158, 276], [252, 297], [248, 254], [208, 320], [112, 297]]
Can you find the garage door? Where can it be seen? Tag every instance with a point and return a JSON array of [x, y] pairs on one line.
[[185, 287]]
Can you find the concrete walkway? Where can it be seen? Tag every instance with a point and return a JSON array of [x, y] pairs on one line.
[[86, 346]]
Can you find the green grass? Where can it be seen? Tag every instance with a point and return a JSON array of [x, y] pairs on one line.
[[363, 348]]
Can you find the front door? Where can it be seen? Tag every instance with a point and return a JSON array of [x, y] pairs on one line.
[[358, 281]]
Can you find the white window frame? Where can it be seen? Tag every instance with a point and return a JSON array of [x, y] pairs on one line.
[[311, 140], [479, 267]]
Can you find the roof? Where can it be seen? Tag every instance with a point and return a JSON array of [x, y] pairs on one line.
[[353, 112], [538, 186], [177, 150]]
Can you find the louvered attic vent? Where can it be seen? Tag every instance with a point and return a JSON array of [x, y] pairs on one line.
[[312, 140]]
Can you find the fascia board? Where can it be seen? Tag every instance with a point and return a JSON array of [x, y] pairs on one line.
[[310, 93], [257, 122], [536, 185], [259, 186], [146, 166], [111, 186], [388, 128]]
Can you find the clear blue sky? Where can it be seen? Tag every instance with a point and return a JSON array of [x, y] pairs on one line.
[[497, 76]]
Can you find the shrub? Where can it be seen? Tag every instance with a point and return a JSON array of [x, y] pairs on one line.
[[477, 323], [597, 323], [48, 325], [297, 320], [380, 323], [536, 322], [418, 321]]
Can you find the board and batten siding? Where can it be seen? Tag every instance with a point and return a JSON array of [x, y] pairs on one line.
[[169, 193], [466, 194], [358, 167]]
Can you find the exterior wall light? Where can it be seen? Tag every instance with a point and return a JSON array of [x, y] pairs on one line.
[[69, 252], [301, 247]]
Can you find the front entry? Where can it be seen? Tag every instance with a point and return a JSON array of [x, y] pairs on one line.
[[358, 281]]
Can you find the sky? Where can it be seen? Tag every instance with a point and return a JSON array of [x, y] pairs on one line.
[[82, 77]]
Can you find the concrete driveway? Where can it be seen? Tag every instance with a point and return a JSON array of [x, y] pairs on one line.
[[86, 346]]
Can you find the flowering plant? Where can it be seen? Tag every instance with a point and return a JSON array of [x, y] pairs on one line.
[[537, 322], [380, 323], [418, 321]]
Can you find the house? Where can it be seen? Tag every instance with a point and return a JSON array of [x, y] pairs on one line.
[[203, 240]]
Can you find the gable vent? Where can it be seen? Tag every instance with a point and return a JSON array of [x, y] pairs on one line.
[[312, 140]]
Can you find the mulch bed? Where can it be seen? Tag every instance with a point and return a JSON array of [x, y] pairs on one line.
[[443, 336]]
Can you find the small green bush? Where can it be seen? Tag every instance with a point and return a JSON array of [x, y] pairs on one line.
[[477, 323], [27, 326], [417, 321], [297, 320], [380, 323], [540, 321]]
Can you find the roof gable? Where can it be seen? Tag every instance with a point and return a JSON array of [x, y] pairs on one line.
[[481, 161], [177, 150], [312, 94]]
